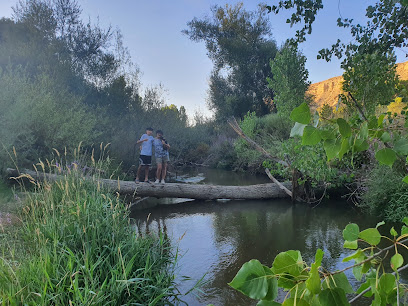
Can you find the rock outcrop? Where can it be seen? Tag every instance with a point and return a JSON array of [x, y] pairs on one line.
[[328, 91]]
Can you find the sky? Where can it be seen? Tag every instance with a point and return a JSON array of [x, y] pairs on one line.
[[152, 33]]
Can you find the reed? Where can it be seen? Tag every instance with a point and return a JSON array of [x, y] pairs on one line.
[[80, 249]]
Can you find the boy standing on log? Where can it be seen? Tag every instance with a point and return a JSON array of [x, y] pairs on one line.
[[145, 158], [161, 152]]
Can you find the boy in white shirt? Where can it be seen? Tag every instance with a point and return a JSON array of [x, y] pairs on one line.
[[145, 158]]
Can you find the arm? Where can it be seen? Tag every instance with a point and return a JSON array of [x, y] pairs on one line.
[[140, 141], [165, 145]]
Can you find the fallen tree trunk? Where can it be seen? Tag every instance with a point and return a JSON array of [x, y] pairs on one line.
[[172, 190]]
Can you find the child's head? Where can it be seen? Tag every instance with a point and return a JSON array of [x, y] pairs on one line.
[[149, 131], [159, 133]]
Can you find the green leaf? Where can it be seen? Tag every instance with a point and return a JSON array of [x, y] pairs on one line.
[[385, 137], [356, 255], [332, 148], [386, 156], [328, 134], [288, 262], [252, 280], [311, 136], [333, 297], [404, 230], [295, 302], [360, 145], [363, 287], [387, 283], [268, 303], [313, 282], [338, 281], [350, 232], [405, 220], [366, 267], [319, 257], [301, 114], [272, 287], [364, 131], [371, 236], [379, 224], [393, 232], [405, 179], [401, 146], [396, 261], [372, 122], [286, 281], [297, 129], [344, 127], [381, 120], [345, 147], [350, 245], [378, 301], [357, 272]]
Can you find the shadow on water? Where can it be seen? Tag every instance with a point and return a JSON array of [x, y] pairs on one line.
[[219, 237], [219, 177]]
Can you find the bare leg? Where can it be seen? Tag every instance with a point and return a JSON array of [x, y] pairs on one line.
[[159, 169], [164, 172], [146, 173], [138, 172]]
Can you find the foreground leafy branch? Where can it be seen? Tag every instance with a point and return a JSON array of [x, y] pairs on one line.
[[314, 285]]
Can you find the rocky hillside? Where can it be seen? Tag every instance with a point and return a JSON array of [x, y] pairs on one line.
[[328, 91]]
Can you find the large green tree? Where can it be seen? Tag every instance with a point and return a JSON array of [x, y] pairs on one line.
[[240, 44], [289, 79]]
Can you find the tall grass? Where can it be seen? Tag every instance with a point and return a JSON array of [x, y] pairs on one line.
[[81, 250]]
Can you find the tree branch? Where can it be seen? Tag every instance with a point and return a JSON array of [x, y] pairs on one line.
[[234, 124], [288, 192], [369, 288], [358, 106], [369, 258]]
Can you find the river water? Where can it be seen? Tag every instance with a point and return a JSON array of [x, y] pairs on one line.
[[216, 238]]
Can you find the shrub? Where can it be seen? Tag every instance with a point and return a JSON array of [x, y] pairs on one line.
[[38, 115], [222, 153], [385, 194], [276, 126]]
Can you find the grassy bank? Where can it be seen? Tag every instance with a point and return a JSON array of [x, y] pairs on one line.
[[79, 249]]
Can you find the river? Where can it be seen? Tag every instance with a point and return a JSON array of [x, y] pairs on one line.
[[216, 238]]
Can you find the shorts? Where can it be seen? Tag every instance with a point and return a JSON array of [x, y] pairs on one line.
[[145, 160], [162, 159]]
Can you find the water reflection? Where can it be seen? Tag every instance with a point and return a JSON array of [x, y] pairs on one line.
[[219, 237]]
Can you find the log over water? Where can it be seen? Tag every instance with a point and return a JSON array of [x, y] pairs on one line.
[[173, 190]]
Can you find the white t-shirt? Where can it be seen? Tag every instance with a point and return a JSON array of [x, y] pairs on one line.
[[147, 145]]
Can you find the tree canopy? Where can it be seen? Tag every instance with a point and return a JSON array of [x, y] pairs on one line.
[[289, 79], [240, 44]]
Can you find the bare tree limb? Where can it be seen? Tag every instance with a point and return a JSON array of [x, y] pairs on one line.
[[288, 192], [358, 106], [234, 124]]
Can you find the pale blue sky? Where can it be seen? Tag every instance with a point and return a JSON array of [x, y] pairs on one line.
[[152, 32]]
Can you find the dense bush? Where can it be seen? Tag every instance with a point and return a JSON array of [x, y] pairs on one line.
[[275, 125], [38, 114], [385, 194]]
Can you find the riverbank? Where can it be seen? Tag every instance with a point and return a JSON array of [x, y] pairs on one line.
[[75, 245]]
